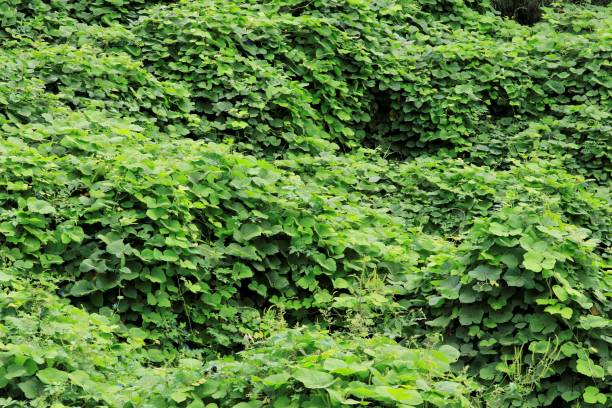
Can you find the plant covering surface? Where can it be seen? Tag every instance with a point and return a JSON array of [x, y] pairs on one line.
[[322, 203]]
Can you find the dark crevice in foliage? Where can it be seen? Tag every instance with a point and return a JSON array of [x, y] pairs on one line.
[[526, 12]]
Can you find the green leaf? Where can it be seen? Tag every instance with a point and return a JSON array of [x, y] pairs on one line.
[[448, 387], [499, 229], [589, 368], [485, 272], [52, 375], [241, 271], [361, 390], [3, 380], [250, 404], [313, 379], [570, 395], [157, 275], [73, 234], [248, 232], [341, 283], [441, 321], [5, 277], [560, 293], [155, 213], [80, 378], [336, 397], [540, 322], [569, 349], [327, 263], [510, 260], [246, 252], [555, 86], [565, 312], [333, 364], [196, 404], [470, 314], [15, 371], [540, 347], [403, 395], [515, 278], [276, 380], [594, 322], [533, 261], [592, 395], [116, 248], [450, 352], [467, 295], [450, 287], [488, 372], [31, 388], [82, 288], [40, 206], [178, 396]]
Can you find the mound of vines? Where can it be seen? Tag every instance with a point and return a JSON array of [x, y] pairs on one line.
[[55, 354], [291, 203]]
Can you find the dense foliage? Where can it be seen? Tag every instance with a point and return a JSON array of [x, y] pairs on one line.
[[287, 203], [56, 354]]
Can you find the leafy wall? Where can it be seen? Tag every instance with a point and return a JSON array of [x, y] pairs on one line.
[[304, 204]]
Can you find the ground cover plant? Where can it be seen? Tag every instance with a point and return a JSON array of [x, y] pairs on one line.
[[305, 203]]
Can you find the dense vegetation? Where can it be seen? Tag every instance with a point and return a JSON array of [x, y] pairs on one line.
[[305, 203]]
